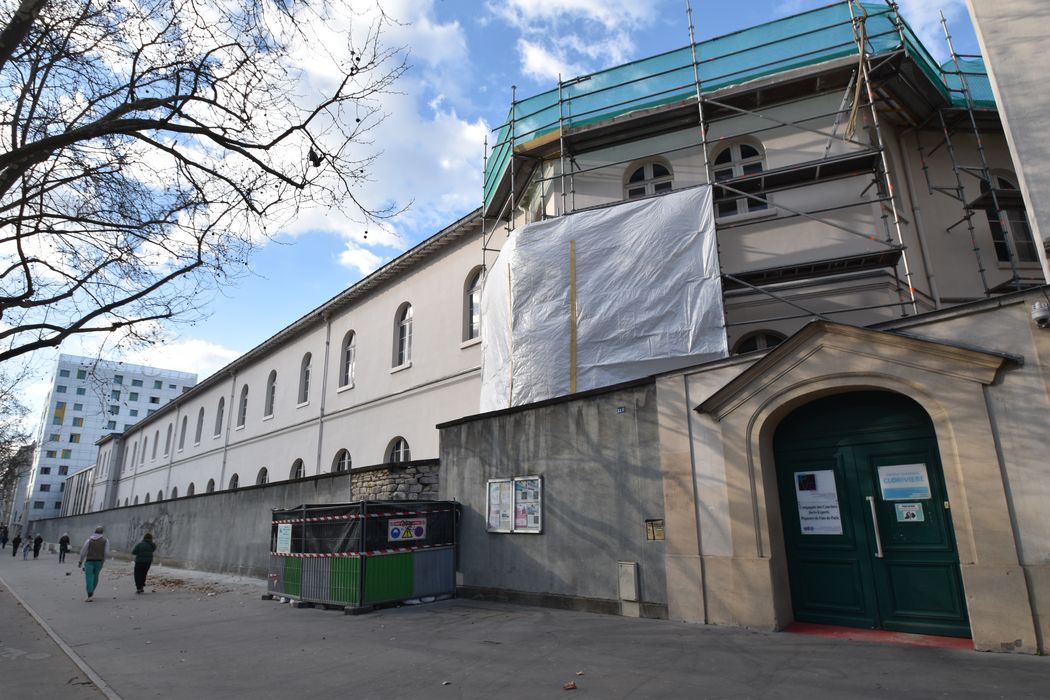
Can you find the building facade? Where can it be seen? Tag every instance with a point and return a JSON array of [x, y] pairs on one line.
[[88, 399]]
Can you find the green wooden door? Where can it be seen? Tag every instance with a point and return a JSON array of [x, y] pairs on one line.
[[867, 524]]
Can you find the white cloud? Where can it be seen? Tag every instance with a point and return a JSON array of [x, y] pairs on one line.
[[185, 355], [925, 20], [357, 258], [541, 63]]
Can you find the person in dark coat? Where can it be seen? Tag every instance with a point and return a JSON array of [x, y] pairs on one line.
[[3, 536], [63, 547], [143, 553], [38, 542], [14, 544]]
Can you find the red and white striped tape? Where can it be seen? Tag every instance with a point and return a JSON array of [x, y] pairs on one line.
[[357, 516], [354, 555]]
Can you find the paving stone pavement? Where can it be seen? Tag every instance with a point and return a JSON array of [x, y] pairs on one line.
[[195, 635]]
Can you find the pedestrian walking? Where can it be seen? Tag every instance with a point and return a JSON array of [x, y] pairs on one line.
[[3, 537], [63, 547], [14, 544], [143, 553], [92, 555], [26, 548], [38, 542]]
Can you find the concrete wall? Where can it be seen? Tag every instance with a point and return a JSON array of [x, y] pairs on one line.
[[229, 531], [601, 481]]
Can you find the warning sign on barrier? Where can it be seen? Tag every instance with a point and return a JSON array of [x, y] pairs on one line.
[[408, 529]]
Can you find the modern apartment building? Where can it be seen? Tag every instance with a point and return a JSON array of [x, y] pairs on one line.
[[89, 398]]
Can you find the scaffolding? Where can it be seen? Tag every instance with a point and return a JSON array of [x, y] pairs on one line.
[[972, 111], [866, 52]]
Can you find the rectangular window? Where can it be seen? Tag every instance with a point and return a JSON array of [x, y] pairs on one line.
[[172, 387], [61, 388], [58, 504], [133, 396], [115, 395], [67, 453], [78, 422], [81, 391], [151, 411], [134, 412], [38, 505], [63, 470], [45, 470], [54, 437], [81, 374], [154, 399], [158, 384], [127, 426], [185, 389], [114, 409], [74, 437], [136, 382], [78, 407], [51, 454], [57, 420], [60, 406], [45, 487], [118, 379], [63, 372], [62, 486], [111, 425]]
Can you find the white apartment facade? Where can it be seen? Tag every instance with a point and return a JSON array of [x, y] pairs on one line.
[[89, 398]]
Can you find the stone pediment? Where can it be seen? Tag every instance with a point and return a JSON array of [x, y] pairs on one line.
[[824, 349]]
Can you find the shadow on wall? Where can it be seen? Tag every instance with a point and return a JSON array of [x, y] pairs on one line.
[[229, 531]]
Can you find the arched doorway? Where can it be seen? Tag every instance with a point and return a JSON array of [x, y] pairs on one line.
[[867, 526]]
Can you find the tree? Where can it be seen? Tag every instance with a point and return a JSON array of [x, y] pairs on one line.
[[16, 456], [147, 145]]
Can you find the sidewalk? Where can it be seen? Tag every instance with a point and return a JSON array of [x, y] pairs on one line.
[[195, 635]]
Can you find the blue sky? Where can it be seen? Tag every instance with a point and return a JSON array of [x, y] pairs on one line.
[[465, 55]]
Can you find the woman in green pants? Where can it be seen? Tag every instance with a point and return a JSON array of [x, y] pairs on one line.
[[92, 555]]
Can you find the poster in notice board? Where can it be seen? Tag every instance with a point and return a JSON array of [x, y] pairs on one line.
[[515, 505]]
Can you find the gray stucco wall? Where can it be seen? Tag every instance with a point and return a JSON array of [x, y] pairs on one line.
[[601, 480], [229, 531]]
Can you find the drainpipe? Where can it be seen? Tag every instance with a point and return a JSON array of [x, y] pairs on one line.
[[916, 216], [324, 387], [226, 435]]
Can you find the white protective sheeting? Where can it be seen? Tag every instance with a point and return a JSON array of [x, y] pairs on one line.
[[648, 299]]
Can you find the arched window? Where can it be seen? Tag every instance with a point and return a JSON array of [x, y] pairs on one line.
[[234, 482], [304, 378], [182, 433], [167, 439], [190, 489], [200, 427], [341, 463], [160, 496], [1016, 220], [348, 356], [219, 414], [242, 407], [652, 177], [398, 451], [156, 441], [210, 488], [134, 454], [174, 492], [147, 498], [262, 477], [271, 393], [125, 502], [298, 470], [403, 335], [759, 340], [136, 501], [736, 160], [142, 457], [472, 305]]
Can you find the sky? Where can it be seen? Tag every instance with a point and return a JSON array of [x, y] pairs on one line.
[[464, 56]]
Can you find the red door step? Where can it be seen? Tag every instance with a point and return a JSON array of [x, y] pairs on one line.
[[884, 636]]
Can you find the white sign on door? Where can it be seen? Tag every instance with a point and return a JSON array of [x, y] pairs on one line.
[[818, 503], [904, 482]]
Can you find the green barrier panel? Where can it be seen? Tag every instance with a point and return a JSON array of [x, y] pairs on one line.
[[388, 577], [344, 578], [293, 576]]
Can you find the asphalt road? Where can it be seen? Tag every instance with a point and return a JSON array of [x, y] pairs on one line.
[[196, 635]]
